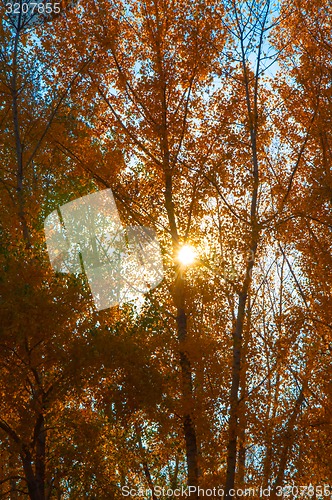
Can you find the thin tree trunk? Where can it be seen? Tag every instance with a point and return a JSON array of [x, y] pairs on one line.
[[33, 489], [186, 370], [144, 462], [269, 440], [187, 392], [40, 457], [18, 142], [243, 416], [252, 115], [179, 289], [288, 441], [174, 477], [234, 402]]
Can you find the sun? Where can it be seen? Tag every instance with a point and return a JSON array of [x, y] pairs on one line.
[[186, 255]]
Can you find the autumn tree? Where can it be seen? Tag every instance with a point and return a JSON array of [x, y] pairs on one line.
[[208, 122]]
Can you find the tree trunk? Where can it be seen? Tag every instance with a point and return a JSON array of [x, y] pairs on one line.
[[33, 489], [288, 441], [269, 440], [186, 385], [252, 116], [233, 420], [186, 370], [242, 409], [40, 457], [18, 143]]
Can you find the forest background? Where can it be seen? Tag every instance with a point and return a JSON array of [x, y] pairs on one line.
[[211, 121]]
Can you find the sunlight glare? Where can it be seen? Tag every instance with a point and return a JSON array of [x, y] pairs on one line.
[[186, 255]]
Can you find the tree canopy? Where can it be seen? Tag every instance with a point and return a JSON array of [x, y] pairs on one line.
[[210, 121]]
